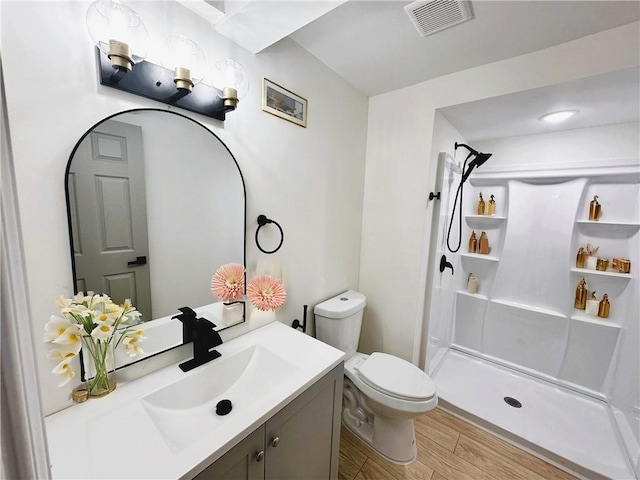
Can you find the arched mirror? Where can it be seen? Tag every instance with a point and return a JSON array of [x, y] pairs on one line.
[[156, 203]]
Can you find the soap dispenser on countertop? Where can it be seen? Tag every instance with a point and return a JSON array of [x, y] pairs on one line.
[[581, 295]]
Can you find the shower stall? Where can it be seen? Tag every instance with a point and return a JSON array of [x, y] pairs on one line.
[[514, 354]]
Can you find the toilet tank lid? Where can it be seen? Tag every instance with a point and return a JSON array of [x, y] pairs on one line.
[[342, 305]]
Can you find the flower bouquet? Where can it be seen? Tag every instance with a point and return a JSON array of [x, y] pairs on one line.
[[95, 324], [264, 291]]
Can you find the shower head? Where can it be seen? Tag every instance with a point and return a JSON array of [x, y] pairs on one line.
[[480, 158]]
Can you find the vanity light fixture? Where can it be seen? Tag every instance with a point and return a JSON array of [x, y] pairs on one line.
[[556, 117], [229, 77], [186, 59], [121, 39], [119, 32]]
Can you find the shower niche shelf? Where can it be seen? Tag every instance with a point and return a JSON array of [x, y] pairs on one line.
[[600, 273], [629, 225], [484, 220], [608, 229], [479, 296], [480, 256], [607, 322]]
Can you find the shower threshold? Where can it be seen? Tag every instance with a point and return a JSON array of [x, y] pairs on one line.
[[571, 430]]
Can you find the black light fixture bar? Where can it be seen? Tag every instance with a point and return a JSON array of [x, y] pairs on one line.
[[156, 82]]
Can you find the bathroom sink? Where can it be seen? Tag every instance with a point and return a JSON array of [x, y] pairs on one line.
[[168, 417], [187, 406]]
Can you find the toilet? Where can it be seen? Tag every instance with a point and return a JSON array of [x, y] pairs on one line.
[[382, 393]]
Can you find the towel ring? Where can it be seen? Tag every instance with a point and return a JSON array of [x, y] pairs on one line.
[[262, 221]]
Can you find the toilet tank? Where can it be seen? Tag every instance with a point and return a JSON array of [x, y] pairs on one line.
[[339, 319]]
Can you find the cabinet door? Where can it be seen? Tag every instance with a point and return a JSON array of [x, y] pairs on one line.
[[302, 440], [241, 462]]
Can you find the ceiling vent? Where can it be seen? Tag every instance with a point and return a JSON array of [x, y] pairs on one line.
[[432, 16]]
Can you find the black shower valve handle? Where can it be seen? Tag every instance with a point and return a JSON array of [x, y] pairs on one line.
[[445, 264]]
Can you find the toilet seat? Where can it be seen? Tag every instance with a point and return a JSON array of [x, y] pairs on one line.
[[396, 377], [384, 394]]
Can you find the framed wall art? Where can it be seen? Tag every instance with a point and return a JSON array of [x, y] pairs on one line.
[[283, 103]]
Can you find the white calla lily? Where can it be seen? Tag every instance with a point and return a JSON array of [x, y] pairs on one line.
[[90, 321], [55, 327], [102, 332], [61, 353], [70, 336], [64, 371]]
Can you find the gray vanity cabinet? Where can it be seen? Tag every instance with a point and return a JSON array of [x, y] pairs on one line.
[[301, 441], [239, 463]]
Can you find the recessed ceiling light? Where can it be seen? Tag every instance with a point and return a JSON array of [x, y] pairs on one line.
[[556, 117]]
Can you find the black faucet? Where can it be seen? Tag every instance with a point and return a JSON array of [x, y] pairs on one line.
[[201, 332]]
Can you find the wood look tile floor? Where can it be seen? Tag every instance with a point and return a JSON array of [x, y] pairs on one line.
[[448, 449]]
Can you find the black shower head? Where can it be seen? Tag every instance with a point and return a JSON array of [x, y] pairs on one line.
[[479, 159]]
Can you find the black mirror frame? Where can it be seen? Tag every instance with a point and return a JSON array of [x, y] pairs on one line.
[[68, 209]]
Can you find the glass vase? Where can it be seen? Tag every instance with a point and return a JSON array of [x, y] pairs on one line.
[[99, 362]]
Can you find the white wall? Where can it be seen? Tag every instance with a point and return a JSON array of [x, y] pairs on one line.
[[401, 166], [309, 180], [606, 143]]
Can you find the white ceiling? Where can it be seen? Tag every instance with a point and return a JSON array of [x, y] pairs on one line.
[[374, 46], [606, 99]]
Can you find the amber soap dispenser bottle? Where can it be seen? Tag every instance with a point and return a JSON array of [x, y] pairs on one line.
[[481, 205]]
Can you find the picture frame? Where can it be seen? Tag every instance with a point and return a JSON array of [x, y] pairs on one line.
[[283, 103]]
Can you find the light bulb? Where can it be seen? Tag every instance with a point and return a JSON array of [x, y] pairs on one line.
[[229, 77], [186, 59], [119, 32]]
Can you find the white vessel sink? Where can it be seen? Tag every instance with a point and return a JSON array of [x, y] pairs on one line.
[[165, 425], [185, 409]]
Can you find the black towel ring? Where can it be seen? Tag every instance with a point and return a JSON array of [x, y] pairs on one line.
[[262, 221]]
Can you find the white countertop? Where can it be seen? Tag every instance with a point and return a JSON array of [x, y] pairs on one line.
[[114, 437]]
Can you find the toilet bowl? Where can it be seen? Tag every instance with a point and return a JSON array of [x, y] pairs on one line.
[[382, 393]]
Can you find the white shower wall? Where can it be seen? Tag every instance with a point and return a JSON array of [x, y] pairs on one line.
[[523, 315], [528, 280]]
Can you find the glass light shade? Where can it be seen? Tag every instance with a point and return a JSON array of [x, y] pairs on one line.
[[556, 117], [118, 31], [229, 77], [186, 58]]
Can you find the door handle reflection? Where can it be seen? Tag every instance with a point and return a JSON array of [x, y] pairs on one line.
[[138, 261]]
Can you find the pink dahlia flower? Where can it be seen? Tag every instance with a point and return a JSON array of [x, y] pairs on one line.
[[228, 282], [266, 292]]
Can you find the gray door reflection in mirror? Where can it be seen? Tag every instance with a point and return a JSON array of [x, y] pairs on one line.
[[107, 200], [187, 193]]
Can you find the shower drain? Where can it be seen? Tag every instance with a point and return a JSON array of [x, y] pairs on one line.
[[512, 402]]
